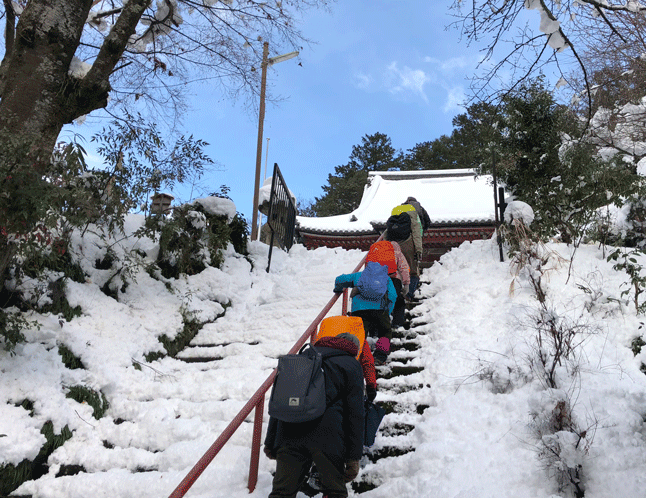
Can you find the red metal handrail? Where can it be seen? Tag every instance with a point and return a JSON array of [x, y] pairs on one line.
[[256, 401]]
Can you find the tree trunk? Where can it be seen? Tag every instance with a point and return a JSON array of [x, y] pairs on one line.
[[36, 88], [38, 97]]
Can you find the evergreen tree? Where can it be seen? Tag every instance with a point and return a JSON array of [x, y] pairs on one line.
[[436, 154], [543, 163], [533, 127], [475, 136], [468, 146], [345, 187]]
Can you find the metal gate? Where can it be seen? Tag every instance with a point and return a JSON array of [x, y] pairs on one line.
[[281, 216]]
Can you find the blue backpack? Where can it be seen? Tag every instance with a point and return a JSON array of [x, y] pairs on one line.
[[373, 282]]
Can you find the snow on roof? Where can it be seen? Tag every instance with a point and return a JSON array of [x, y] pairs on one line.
[[455, 196]]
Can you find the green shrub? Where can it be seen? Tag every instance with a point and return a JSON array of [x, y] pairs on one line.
[[12, 476], [54, 257], [193, 239], [60, 305], [632, 233], [84, 394], [630, 261], [107, 261], [28, 405], [70, 360], [39, 209], [183, 339], [153, 356], [239, 234], [12, 323]]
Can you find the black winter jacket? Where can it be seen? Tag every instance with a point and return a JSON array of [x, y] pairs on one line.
[[339, 431], [424, 218]]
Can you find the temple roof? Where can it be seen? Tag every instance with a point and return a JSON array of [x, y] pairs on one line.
[[451, 197]]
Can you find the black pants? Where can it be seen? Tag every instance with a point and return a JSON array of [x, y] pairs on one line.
[[375, 322], [292, 465], [400, 305]]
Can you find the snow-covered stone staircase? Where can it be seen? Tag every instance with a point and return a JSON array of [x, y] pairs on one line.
[[165, 409], [404, 395]]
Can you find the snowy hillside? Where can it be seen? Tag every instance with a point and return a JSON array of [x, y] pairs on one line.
[[486, 429]]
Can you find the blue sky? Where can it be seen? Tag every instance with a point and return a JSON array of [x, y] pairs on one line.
[[376, 66]]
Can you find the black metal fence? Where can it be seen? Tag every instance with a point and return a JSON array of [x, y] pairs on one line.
[[281, 216]]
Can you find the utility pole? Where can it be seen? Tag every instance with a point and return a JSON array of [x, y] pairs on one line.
[[264, 178], [261, 118]]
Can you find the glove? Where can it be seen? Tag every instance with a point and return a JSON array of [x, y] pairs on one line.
[[268, 452], [371, 393], [351, 470], [405, 288]]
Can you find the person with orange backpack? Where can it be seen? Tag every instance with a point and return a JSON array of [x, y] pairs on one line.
[[334, 440], [344, 326], [333, 326], [390, 254]]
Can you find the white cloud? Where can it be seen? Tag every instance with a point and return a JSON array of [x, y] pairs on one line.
[[448, 70], [451, 64], [407, 80], [454, 100], [441, 84], [362, 81]]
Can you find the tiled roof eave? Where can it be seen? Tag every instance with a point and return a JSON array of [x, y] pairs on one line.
[[380, 226], [335, 232]]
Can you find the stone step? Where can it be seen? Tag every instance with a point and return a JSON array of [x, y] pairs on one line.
[[199, 359], [402, 343], [397, 407], [396, 429], [394, 389], [402, 412], [386, 451], [393, 369]]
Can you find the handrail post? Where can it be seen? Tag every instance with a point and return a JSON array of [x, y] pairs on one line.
[[255, 445]]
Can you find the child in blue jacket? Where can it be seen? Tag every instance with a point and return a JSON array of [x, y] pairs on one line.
[[375, 311]]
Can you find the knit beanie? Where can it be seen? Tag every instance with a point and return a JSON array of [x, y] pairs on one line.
[[348, 336]]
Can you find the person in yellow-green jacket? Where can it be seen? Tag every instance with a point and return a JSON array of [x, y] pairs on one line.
[[410, 246]]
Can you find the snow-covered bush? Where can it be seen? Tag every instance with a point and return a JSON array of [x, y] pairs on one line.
[[561, 445], [196, 234], [553, 355], [505, 375], [41, 211]]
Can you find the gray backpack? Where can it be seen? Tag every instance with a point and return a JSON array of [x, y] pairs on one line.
[[298, 393]]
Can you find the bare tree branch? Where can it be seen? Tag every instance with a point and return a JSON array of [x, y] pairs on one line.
[[570, 26]]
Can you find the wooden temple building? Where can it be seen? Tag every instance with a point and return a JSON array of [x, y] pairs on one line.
[[460, 204]]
